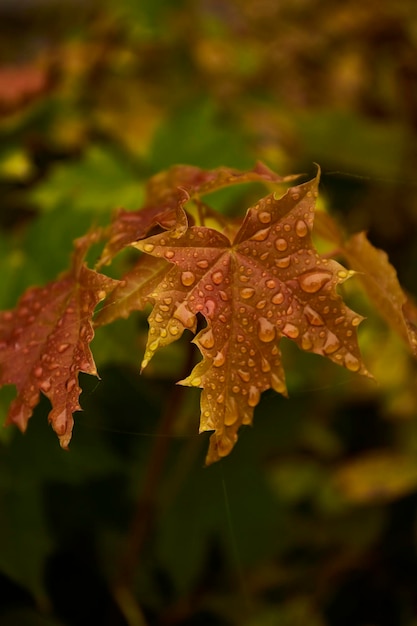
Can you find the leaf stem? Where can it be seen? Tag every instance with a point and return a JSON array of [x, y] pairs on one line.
[[146, 506]]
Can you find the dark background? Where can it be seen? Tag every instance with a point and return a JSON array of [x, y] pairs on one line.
[[312, 519]]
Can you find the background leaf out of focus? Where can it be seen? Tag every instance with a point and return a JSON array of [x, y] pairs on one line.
[[312, 519]]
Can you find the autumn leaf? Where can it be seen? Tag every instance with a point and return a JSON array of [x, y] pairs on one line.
[[268, 283], [44, 342], [378, 277], [380, 280], [168, 189]]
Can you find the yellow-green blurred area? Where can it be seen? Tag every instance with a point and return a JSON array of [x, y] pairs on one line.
[[312, 519]]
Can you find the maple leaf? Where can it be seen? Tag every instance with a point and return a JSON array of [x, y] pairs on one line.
[[268, 283], [168, 189], [378, 277], [44, 342]]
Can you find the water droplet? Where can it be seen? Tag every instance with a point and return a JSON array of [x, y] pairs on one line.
[[202, 264], [266, 330], [311, 282], [236, 389], [184, 315], [261, 304], [283, 263], [261, 235], [173, 330], [291, 331], [154, 345], [332, 344], [351, 362], [219, 359], [230, 417], [240, 338], [209, 309], [281, 244], [247, 292], [217, 277], [265, 366], [207, 339], [245, 376], [164, 308], [223, 295], [306, 342], [169, 254], [277, 384], [271, 284], [356, 321], [148, 247], [159, 318], [62, 347], [301, 228], [313, 317], [295, 196], [254, 396], [278, 298], [38, 371], [187, 279], [264, 217], [195, 382]]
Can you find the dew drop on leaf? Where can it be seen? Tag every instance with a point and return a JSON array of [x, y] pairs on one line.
[[264, 217], [311, 282], [351, 362], [261, 235], [148, 247], [281, 244], [278, 298], [247, 292], [266, 330], [301, 228], [306, 342], [207, 339], [243, 375], [254, 396], [219, 359], [187, 279], [291, 331], [265, 366], [217, 277], [313, 317], [332, 344], [231, 413], [283, 263]]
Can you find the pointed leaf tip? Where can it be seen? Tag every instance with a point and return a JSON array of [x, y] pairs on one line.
[[268, 283]]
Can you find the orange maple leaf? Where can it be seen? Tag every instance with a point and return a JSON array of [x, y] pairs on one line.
[[268, 283]]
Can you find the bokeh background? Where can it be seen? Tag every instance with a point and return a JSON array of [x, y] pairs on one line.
[[312, 519]]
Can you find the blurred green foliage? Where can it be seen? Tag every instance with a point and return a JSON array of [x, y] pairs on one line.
[[312, 520]]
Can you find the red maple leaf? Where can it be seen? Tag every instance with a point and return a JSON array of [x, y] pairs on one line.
[[44, 342]]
